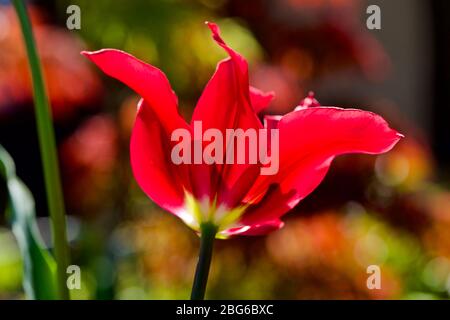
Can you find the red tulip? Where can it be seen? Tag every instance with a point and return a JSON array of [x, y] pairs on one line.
[[237, 198]]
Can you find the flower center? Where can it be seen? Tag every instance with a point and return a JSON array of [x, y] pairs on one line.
[[205, 211]]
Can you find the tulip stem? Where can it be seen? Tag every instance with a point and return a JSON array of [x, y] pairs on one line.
[[208, 233], [49, 158]]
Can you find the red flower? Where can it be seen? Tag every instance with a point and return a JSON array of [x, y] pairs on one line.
[[235, 197]]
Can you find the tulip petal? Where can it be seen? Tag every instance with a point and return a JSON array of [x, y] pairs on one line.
[[150, 148], [147, 81], [225, 104], [321, 134], [260, 100], [150, 160]]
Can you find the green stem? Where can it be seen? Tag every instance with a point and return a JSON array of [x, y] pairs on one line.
[[48, 153], [207, 236]]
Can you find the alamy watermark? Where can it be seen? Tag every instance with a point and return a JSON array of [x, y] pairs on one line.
[[374, 280], [74, 279], [239, 146], [373, 21], [73, 21]]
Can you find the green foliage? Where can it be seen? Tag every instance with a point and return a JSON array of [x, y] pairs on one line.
[[39, 267]]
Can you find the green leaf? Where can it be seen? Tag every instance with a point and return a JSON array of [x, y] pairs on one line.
[[39, 267]]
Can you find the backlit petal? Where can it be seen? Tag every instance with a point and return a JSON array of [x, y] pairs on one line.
[[321, 133]]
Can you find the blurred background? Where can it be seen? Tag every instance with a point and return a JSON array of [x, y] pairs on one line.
[[392, 210]]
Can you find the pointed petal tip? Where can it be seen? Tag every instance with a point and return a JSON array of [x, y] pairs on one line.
[[91, 54], [88, 54], [391, 138], [215, 30], [212, 26], [398, 137]]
